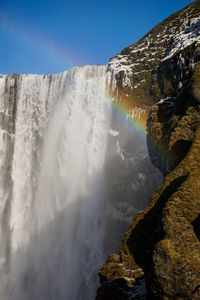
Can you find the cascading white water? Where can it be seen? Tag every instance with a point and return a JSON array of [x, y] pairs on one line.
[[60, 148]]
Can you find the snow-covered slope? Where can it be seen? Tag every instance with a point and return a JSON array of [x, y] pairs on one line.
[[135, 69]]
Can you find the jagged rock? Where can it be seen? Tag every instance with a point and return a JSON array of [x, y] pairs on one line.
[[171, 127], [160, 63], [160, 252], [163, 241]]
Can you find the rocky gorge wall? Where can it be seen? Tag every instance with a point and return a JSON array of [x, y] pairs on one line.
[[159, 255]]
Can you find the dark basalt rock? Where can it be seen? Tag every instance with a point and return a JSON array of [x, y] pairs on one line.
[[160, 252], [171, 128]]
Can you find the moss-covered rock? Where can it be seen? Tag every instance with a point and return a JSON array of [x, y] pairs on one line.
[[162, 242], [160, 252]]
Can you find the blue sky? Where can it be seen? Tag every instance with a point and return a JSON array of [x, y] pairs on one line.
[[51, 36]]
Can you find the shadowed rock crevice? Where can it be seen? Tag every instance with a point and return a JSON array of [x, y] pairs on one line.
[[149, 230], [196, 226], [195, 290], [178, 151], [118, 290], [171, 129]]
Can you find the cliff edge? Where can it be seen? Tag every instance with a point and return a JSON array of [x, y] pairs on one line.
[[160, 252]]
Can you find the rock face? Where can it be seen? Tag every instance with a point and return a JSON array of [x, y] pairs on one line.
[[160, 252], [162, 62]]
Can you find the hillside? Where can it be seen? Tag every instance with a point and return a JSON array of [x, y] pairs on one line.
[[160, 252], [137, 71]]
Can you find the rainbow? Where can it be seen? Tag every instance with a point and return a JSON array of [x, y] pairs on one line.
[[63, 57], [135, 114], [124, 108]]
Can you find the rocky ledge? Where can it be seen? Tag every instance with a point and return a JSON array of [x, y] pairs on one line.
[[160, 252]]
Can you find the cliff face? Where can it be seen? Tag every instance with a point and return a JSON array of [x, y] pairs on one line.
[[162, 62], [160, 252]]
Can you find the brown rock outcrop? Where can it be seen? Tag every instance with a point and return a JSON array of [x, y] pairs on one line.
[[161, 246], [160, 252]]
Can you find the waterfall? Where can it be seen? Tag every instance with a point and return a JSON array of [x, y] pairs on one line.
[[66, 183]]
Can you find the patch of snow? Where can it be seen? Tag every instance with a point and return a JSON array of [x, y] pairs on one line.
[[122, 66], [163, 100], [186, 37]]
